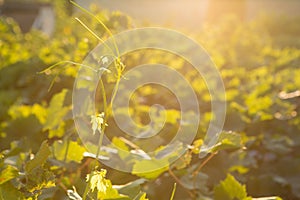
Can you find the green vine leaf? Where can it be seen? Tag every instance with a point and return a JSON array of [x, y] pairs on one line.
[[8, 173], [97, 122], [103, 187], [143, 197], [226, 140], [141, 168], [39, 159], [8, 191], [132, 189], [68, 151], [55, 113], [230, 189]]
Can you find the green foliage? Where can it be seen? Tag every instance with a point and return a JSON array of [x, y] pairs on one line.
[[97, 122], [101, 188], [42, 157], [55, 112], [226, 140], [68, 151], [230, 189], [39, 159], [8, 173], [8, 191], [143, 168]]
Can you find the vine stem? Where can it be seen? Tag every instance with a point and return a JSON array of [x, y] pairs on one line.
[[104, 99], [204, 163], [105, 114], [94, 34], [63, 186], [66, 62], [104, 120], [100, 22], [173, 192], [61, 63], [100, 143], [102, 130], [86, 190], [179, 182], [201, 166], [67, 150], [115, 89]]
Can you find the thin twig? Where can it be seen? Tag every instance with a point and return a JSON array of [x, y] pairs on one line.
[[100, 22], [201, 166], [180, 183], [63, 186], [94, 34], [173, 192], [66, 62], [105, 118], [67, 150], [204, 163]]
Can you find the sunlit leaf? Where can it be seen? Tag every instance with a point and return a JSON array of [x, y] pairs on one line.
[[8, 191], [98, 181], [8, 173], [240, 169], [123, 149], [145, 168], [24, 111], [141, 196], [40, 158], [68, 151], [55, 113], [226, 140], [38, 179], [131, 189], [97, 122], [230, 189], [195, 148], [103, 186], [183, 161]]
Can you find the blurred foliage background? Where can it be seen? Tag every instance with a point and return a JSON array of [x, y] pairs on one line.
[[259, 61]]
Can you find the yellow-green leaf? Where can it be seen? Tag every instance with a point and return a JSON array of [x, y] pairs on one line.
[[56, 111], [71, 151], [39, 159], [150, 169], [8, 173], [230, 189]]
